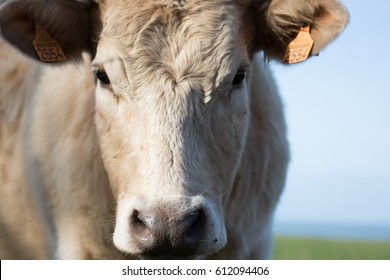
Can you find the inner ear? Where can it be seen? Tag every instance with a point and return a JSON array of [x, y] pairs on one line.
[[67, 22], [326, 26], [18, 28]]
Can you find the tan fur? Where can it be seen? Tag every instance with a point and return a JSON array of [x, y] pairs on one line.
[[20, 227], [167, 135]]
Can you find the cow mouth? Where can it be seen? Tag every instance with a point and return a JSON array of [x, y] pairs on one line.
[[170, 257], [169, 252]]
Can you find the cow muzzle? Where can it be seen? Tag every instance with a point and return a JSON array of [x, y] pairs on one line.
[[173, 228]]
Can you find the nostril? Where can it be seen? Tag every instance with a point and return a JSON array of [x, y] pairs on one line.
[[136, 220], [141, 229], [196, 225]]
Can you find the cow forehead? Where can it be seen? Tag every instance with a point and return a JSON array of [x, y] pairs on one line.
[[182, 38], [135, 14]]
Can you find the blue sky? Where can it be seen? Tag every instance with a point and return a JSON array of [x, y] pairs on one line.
[[338, 113]]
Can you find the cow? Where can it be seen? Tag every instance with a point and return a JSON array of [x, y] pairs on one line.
[[146, 129]]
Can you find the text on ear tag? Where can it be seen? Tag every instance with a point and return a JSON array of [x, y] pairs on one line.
[[46, 47], [299, 49]]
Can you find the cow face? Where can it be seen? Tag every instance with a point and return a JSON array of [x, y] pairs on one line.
[[172, 100], [172, 115]]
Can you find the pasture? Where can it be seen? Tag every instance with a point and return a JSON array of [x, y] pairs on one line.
[[295, 248]]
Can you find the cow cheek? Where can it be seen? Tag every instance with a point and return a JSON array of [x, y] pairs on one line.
[[112, 154], [230, 146]]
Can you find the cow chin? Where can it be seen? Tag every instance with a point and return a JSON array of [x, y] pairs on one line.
[[169, 227]]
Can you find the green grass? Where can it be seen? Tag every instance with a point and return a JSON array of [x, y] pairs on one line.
[[291, 248]]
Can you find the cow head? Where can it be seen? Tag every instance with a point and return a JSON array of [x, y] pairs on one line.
[[172, 100]]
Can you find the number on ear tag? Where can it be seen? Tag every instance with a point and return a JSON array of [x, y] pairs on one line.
[[46, 47], [299, 49]]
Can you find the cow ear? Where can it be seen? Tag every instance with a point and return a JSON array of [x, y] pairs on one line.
[[61, 24], [278, 23]]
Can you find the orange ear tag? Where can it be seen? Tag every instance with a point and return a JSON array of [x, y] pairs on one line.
[[46, 47], [299, 49]]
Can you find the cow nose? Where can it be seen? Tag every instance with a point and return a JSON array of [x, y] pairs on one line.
[[159, 234]]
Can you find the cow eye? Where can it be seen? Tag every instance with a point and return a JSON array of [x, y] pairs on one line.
[[102, 76], [239, 77]]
